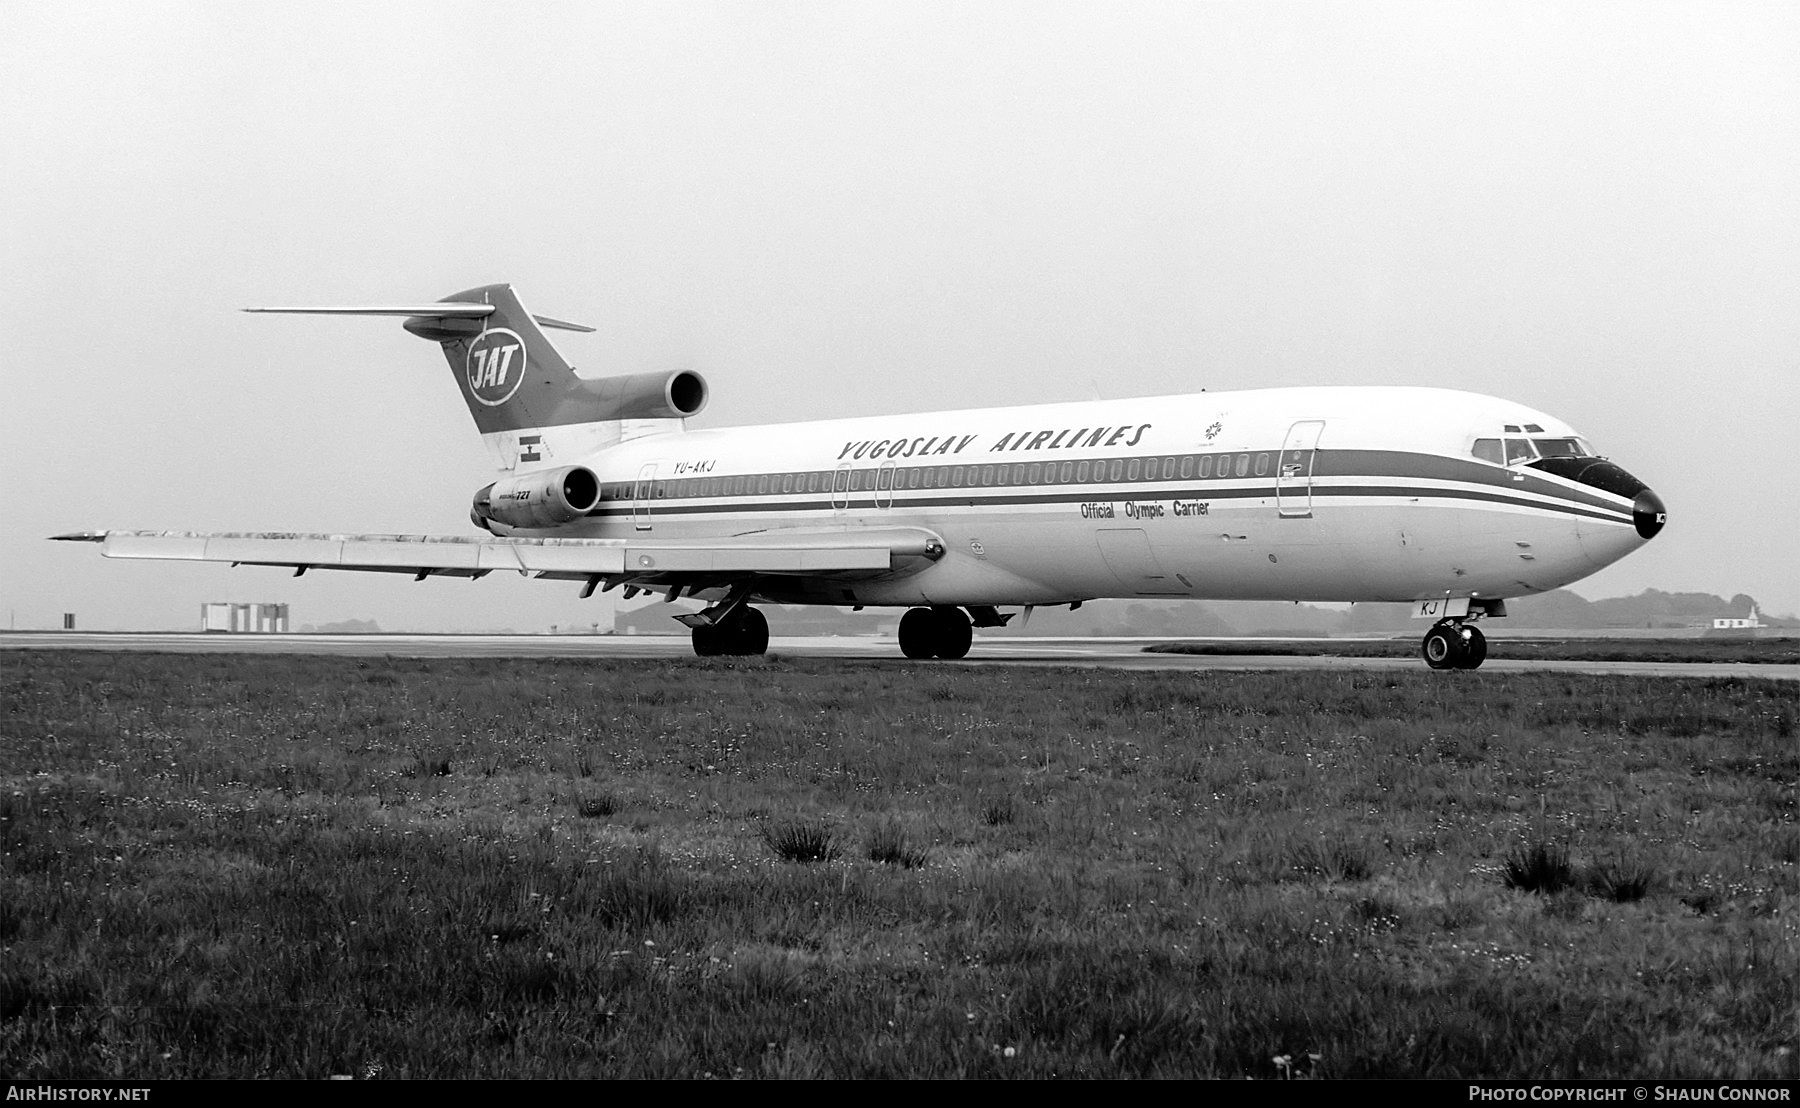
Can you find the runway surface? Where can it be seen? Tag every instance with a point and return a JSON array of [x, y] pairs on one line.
[[1106, 653]]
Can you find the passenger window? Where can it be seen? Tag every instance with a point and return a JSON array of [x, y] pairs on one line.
[[1187, 466], [1117, 468], [1243, 465], [1081, 472], [1035, 473], [1132, 468], [1488, 450], [1205, 466], [1068, 470], [1168, 468], [1262, 465]]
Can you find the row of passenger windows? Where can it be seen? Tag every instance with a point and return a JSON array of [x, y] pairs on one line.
[[887, 478]]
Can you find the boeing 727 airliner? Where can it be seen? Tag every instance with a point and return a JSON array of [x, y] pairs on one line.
[[1447, 500]]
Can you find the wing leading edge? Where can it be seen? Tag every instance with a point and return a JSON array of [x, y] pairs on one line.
[[693, 564]]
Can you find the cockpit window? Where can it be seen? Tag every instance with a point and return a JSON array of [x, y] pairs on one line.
[[1516, 449], [1561, 448]]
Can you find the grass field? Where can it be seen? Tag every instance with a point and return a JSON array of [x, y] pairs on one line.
[[1742, 650], [250, 866]]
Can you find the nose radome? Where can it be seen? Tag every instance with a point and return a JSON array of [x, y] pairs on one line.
[[1648, 514]]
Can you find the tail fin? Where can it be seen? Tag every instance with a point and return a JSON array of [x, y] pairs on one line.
[[510, 375], [514, 381]]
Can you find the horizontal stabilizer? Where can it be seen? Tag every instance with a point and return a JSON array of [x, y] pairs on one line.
[[444, 309], [440, 310]]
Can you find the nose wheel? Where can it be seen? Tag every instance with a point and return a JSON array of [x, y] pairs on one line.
[[943, 632], [1453, 644]]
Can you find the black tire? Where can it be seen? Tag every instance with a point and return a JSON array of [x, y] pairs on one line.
[[1474, 651], [707, 640], [1442, 648], [752, 631], [955, 633], [919, 633]]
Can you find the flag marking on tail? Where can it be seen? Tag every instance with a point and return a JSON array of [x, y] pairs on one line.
[[495, 366]]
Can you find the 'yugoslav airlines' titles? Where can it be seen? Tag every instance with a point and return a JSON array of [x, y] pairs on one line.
[[1086, 438]]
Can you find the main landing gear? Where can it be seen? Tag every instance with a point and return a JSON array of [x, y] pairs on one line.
[[943, 632], [743, 631], [1453, 644]]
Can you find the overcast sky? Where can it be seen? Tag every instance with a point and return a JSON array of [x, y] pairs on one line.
[[843, 209]]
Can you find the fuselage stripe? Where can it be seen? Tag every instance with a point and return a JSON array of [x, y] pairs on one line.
[[1318, 474], [977, 498]]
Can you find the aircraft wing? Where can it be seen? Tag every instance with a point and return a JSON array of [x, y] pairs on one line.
[[692, 564]]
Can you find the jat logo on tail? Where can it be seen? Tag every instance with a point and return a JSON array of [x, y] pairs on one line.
[[496, 366]]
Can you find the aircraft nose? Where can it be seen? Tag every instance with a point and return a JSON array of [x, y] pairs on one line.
[[1648, 514]]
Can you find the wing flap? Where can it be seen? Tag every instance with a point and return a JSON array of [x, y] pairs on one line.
[[768, 552]]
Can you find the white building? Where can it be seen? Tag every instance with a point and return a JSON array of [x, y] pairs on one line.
[[266, 619], [1739, 624]]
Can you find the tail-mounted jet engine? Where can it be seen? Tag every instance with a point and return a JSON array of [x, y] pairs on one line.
[[548, 498]]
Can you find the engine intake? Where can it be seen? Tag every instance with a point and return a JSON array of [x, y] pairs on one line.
[[547, 498], [675, 395]]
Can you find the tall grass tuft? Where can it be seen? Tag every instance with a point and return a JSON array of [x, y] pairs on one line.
[[998, 813], [1620, 882], [427, 766], [890, 845], [1339, 861], [801, 841], [1539, 868], [598, 805]]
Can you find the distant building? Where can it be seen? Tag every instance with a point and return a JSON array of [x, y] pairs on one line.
[[266, 619], [1732, 624]]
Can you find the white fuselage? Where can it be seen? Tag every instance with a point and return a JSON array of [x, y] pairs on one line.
[[1321, 494]]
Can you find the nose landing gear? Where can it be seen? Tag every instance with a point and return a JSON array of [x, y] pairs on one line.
[[1453, 644]]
